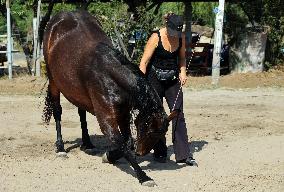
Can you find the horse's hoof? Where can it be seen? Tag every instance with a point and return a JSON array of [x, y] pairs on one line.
[[149, 183], [62, 154], [105, 159]]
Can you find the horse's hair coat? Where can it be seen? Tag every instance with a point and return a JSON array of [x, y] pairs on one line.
[[91, 74]]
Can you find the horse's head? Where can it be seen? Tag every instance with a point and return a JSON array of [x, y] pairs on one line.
[[150, 129]]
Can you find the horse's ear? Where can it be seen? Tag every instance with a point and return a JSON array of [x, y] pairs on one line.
[[173, 114]]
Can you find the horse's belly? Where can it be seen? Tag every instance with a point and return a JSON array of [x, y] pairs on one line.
[[78, 99], [69, 84]]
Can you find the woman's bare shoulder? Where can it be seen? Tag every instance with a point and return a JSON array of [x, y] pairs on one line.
[[154, 38]]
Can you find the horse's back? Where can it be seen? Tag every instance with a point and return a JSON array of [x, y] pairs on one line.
[[83, 64], [72, 30], [69, 42]]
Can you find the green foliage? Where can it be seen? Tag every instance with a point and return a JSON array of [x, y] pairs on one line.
[[110, 14], [3, 27], [235, 21], [273, 16], [23, 15], [61, 7], [176, 8], [203, 13], [266, 13], [253, 10], [114, 15]]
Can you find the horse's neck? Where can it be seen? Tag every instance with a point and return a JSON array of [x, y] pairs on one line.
[[143, 95], [146, 99]]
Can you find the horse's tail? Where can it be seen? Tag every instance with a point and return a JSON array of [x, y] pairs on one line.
[[48, 107], [44, 21]]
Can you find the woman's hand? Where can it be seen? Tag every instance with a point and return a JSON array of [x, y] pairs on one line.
[[182, 77], [182, 63]]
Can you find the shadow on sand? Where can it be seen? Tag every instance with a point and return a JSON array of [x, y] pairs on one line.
[[102, 144], [196, 146]]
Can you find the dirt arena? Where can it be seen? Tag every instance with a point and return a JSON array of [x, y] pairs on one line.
[[236, 133]]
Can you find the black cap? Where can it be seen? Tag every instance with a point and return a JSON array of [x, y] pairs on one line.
[[175, 22]]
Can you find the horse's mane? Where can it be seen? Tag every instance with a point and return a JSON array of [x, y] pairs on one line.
[[143, 96], [116, 54]]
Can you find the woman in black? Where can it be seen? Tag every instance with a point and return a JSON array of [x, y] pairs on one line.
[[163, 62]]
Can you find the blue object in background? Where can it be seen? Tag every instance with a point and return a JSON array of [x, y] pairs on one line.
[[140, 35], [216, 10]]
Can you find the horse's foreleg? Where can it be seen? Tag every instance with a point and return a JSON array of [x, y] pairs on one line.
[[124, 125], [109, 126], [141, 175], [119, 139], [87, 144], [117, 144], [57, 111], [114, 155], [125, 151]]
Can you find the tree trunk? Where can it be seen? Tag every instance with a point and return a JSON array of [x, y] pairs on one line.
[[248, 53]]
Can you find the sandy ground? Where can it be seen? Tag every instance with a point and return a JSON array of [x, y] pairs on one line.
[[236, 134]]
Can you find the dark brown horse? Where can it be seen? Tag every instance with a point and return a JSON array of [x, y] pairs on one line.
[[84, 67]]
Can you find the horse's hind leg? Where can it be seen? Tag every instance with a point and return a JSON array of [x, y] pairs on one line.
[[57, 111], [87, 144]]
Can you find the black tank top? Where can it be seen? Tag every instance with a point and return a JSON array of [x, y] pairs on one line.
[[164, 59]]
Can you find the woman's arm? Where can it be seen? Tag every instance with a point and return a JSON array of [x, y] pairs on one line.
[[182, 62], [148, 52]]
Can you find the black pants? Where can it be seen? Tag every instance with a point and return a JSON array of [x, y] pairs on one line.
[[169, 91]]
